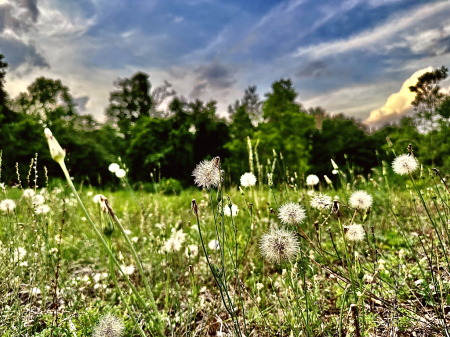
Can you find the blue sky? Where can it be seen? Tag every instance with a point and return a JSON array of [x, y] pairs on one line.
[[346, 56]]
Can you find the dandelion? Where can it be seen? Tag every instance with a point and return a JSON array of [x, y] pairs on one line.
[[28, 193], [56, 150], [113, 167], [42, 209], [109, 326], [279, 245], [355, 233], [321, 202], [405, 164], [312, 180], [229, 212], [207, 174], [7, 206], [360, 200], [291, 213], [128, 270], [120, 173], [248, 179], [100, 199], [214, 245], [191, 251], [38, 199], [175, 241]]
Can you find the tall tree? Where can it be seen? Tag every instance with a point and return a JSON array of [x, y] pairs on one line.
[[428, 97], [47, 99], [131, 101], [287, 127]]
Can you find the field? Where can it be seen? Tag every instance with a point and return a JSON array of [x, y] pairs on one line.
[[295, 256]]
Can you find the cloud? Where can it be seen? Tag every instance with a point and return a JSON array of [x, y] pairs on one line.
[[214, 75], [21, 56], [81, 103], [315, 69], [397, 104], [377, 38]]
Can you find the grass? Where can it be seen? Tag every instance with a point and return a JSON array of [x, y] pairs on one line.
[[56, 279]]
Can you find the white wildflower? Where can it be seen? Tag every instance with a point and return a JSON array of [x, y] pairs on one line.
[[174, 243], [312, 180], [233, 211], [355, 233], [7, 206], [291, 213], [120, 173], [28, 193], [279, 245], [128, 270], [114, 167], [335, 171], [321, 202], [38, 200], [259, 286], [214, 245], [360, 200], [191, 251], [248, 179], [42, 209], [109, 326], [207, 173], [404, 164]]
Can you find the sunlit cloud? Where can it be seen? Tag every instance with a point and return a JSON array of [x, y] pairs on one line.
[[397, 104]]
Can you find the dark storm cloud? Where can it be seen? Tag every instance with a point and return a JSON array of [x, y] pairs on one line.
[[17, 53], [81, 103], [214, 75], [198, 90]]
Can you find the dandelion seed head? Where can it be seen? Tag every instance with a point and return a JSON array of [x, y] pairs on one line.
[[38, 199], [42, 209], [191, 251], [233, 211], [355, 233], [248, 179], [214, 245], [28, 193], [120, 173], [404, 164], [207, 174], [360, 200], [321, 202], [174, 243], [279, 245], [312, 180], [291, 213], [113, 167], [109, 326], [7, 206]]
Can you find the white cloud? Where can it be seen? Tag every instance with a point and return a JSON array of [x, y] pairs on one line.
[[397, 104], [377, 37]]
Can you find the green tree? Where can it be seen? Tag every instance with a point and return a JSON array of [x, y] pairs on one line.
[[287, 128], [428, 97], [47, 99], [131, 101]]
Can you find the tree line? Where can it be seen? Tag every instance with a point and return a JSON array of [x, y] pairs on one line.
[[168, 143]]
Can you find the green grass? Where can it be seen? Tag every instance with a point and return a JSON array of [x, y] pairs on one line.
[[313, 295]]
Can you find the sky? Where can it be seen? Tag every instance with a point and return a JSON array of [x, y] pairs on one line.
[[356, 57]]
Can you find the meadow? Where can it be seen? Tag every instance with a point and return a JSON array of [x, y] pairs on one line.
[[277, 253]]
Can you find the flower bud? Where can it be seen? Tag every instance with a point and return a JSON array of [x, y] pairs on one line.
[[56, 150]]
